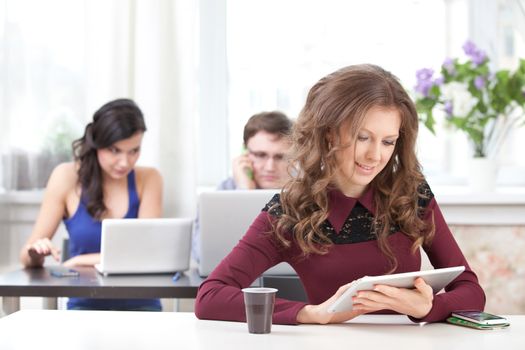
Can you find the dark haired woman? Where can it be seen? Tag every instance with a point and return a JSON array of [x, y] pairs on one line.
[[358, 206], [102, 182]]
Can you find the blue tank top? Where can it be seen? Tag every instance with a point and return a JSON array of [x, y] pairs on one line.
[[84, 238]]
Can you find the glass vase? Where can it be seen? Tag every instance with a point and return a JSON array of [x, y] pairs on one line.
[[482, 175]]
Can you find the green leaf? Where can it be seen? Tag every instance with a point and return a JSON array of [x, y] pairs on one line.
[[430, 122]]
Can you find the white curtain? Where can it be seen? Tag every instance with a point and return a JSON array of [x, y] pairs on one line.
[[165, 83], [62, 59]]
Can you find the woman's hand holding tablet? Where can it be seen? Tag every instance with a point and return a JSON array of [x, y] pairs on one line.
[[437, 279]]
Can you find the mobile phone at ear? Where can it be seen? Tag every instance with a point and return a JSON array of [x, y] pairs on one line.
[[248, 171], [62, 271], [479, 317]]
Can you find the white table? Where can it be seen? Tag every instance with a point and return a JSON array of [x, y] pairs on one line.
[[61, 329]]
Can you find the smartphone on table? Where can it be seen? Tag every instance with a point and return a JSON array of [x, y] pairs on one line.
[[465, 323], [479, 317], [62, 271]]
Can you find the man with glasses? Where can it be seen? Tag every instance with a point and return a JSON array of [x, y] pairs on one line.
[[263, 162]]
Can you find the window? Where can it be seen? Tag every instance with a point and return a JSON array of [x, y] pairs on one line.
[[42, 87], [60, 60], [275, 51]]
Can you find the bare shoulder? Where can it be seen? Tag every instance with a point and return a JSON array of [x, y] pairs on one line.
[[65, 174], [149, 190], [147, 172], [145, 175], [63, 179]]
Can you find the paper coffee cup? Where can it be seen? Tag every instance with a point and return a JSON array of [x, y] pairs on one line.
[[259, 303]]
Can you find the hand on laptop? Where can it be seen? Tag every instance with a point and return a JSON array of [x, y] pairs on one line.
[[41, 248]]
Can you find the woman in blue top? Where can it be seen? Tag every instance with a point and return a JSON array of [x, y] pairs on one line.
[[103, 182]]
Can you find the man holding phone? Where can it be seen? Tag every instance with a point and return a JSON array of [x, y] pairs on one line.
[[262, 164], [263, 161]]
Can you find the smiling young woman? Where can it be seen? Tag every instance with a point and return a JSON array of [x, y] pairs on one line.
[[358, 205], [361, 161]]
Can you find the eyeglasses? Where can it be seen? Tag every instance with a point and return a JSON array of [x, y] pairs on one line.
[[263, 157]]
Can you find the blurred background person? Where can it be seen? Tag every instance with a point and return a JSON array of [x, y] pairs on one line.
[[262, 163], [102, 182]]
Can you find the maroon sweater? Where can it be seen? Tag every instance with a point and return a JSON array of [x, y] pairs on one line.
[[220, 296]]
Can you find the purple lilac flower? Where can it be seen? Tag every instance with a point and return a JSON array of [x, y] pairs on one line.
[[439, 81], [423, 87], [424, 74], [479, 82], [479, 58], [476, 55], [448, 64], [449, 108], [424, 81], [469, 48]]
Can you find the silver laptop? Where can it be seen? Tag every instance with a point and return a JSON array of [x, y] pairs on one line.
[[137, 246], [225, 217]]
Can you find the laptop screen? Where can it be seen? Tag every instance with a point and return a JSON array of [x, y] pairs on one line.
[[225, 216], [145, 245]]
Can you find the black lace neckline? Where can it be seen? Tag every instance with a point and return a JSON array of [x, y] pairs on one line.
[[358, 226]]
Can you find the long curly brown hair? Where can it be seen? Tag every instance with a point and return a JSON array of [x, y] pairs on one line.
[[343, 99]]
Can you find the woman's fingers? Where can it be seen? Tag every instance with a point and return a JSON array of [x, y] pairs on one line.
[[40, 247], [416, 302], [55, 252], [33, 253], [423, 287], [366, 300], [43, 247]]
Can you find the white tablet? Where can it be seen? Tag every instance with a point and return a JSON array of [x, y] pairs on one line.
[[437, 279]]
